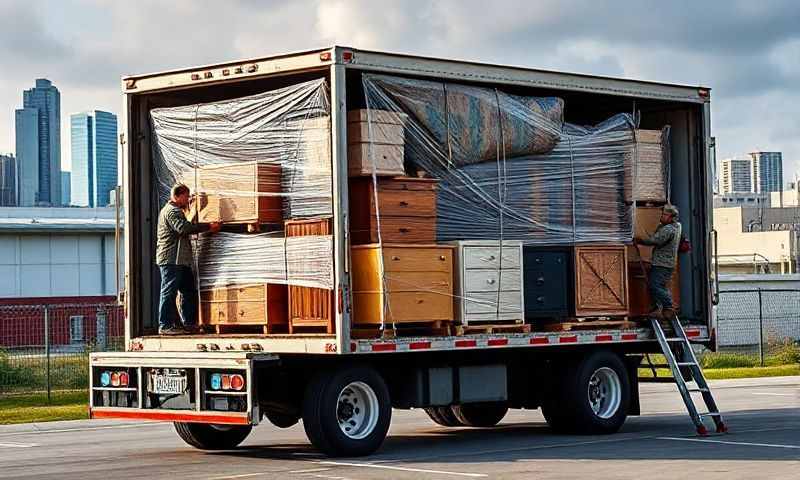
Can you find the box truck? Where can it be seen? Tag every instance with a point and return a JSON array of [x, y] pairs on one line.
[[448, 235]]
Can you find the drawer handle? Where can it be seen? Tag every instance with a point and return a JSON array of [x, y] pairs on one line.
[[420, 301], [540, 299], [490, 281], [403, 203], [540, 280], [403, 230], [395, 257], [442, 258], [491, 257]]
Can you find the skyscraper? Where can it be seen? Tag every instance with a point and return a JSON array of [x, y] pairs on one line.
[[38, 123], [737, 176], [767, 171], [93, 137], [66, 178], [8, 181]]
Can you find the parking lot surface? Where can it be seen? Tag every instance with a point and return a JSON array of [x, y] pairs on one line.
[[763, 415]]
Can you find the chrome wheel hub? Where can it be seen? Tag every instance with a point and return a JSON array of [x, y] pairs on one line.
[[604, 392], [357, 410]]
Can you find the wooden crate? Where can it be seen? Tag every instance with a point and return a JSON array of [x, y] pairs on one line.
[[601, 281], [240, 192], [639, 295], [647, 221], [310, 307], [406, 205], [263, 305], [416, 286], [649, 173]]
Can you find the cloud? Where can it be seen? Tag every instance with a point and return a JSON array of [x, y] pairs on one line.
[[746, 51]]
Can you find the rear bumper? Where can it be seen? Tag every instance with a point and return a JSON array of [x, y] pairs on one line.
[[169, 416], [198, 402]]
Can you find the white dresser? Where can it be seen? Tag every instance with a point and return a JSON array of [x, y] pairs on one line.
[[488, 282]]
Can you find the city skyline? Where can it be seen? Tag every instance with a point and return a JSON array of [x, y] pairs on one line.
[[38, 140]]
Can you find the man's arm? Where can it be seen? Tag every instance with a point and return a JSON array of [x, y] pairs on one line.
[[661, 237], [177, 221]]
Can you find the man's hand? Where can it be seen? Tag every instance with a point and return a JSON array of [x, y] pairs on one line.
[[637, 240], [214, 227]]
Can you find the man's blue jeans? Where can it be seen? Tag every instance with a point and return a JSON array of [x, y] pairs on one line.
[[174, 279], [659, 286]]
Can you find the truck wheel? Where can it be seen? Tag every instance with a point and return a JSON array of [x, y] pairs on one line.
[[592, 397], [480, 414], [212, 437], [444, 416], [347, 413], [281, 420]]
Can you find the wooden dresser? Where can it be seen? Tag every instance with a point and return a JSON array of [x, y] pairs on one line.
[[406, 205], [240, 192], [417, 285], [375, 142], [263, 305], [488, 282]]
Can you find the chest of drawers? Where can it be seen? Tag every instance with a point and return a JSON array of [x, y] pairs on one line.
[[402, 283], [406, 206], [488, 282], [547, 274]]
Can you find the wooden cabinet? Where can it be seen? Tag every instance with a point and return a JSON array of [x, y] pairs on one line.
[[548, 282], [263, 304], [376, 142], [488, 282], [402, 283], [310, 307], [406, 209], [240, 192], [601, 281]]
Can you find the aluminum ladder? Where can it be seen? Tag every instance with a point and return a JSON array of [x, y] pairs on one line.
[[687, 359]]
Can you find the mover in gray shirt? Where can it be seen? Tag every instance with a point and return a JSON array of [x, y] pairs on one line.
[[174, 259], [665, 243]]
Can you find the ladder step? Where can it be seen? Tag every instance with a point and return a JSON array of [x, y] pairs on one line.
[[686, 364], [697, 390], [674, 339], [711, 414]]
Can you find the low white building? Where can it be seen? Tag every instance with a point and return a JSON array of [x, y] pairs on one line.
[[57, 253]]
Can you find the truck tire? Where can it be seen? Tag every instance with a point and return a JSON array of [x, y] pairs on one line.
[[480, 414], [590, 396], [444, 416], [212, 437], [347, 412], [281, 420]]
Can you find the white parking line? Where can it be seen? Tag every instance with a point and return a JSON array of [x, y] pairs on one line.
[[774, 394], [241, 475], [311, 470], [726, 442], [82, 429], [18, 445], [404, 469]]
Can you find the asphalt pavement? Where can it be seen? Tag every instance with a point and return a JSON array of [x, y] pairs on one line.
[[763, 416]]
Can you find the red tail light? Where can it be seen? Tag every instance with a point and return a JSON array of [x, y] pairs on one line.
[[124, 379], [115, 379], [237, 382], [226, 382]]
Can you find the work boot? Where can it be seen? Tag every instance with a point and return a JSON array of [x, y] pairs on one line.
[[193, 329], [657, 312], [668, 313], [170, 331]]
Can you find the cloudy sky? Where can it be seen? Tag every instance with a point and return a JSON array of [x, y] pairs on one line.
[[748, 52]]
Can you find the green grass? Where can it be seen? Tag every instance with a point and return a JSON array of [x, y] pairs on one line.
[[735, 372], [34, 408]]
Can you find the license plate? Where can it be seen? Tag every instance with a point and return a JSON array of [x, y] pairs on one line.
[[168, 384]]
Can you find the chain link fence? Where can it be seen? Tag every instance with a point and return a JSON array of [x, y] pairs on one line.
[[45, 348], [759, 327]]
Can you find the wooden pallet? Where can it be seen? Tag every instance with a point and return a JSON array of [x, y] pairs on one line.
[[588, 324], [439, 328], [492, 328], [242, 329]]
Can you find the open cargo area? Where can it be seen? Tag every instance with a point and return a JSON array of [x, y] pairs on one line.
[[380, 201]]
